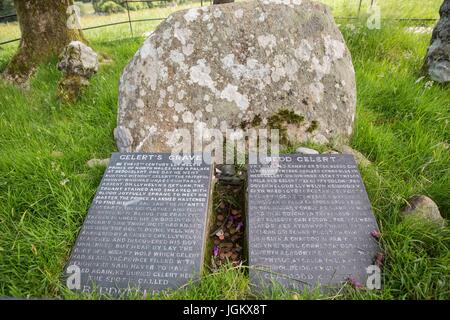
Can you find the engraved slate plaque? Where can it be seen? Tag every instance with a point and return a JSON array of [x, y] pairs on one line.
[[309, 223], [145, 229]]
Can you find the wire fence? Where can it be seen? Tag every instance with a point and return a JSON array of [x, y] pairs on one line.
[[130, 21]]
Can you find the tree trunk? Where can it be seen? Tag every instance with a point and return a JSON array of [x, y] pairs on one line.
[[43, 25], [222, 1]]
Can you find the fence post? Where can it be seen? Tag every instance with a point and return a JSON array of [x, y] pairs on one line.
[[129, 19]]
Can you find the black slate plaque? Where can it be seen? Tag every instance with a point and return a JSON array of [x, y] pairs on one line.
[[309, 222], [145, 229]]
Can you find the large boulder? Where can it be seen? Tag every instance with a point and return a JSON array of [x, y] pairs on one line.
[[278, 64], [437, 61]]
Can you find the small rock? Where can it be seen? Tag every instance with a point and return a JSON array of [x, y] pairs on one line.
[[78, 59], [233, 181], [226, 250], [220, 234], [331, 152], [235, 238], [226, 245], [220, 217], [359, 157], [304, 150], [320, 139], [234, 212], [228, 170], [423, 207], [446, 145], [79, 63], [57, 154], [98, 163]]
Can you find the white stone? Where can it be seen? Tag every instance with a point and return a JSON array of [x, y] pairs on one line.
[[304, 150]]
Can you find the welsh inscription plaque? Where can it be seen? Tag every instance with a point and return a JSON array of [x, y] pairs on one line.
[[146, 226], [309, 222]]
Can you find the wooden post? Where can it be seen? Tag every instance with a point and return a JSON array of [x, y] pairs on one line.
[[359, 7], [129, 19]]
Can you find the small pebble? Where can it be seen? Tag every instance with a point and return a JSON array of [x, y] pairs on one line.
[[98, 163], [304, 150], [235, 238], [57, 154]]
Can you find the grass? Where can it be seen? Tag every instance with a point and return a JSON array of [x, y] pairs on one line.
[[402, 126]]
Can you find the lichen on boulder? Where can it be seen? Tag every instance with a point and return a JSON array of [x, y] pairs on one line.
[[239, 65], [437, 60]]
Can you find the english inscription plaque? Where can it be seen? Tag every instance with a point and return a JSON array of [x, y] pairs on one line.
[[146, 227], [309, 222]]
